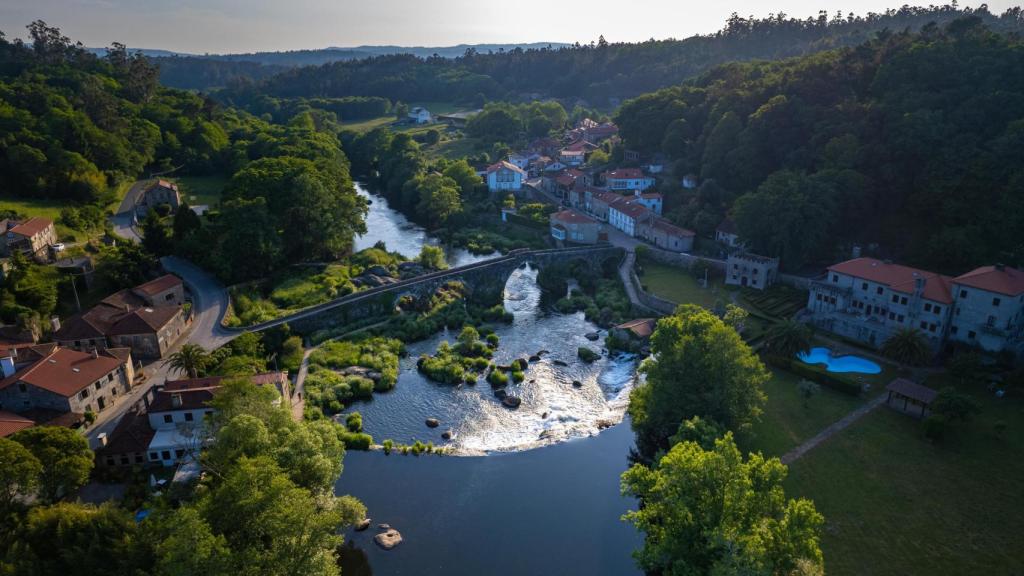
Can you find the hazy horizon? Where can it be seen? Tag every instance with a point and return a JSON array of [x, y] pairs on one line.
[[198, 27]]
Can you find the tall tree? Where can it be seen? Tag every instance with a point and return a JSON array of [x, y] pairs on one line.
[[908, 346], [699, 367], [19, 473], [709, 511], [64, 455]]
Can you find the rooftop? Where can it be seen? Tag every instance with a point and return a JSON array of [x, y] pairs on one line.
[[897, 277], [65, 372], [999, 279], [32, 226], [912, 390], [161, 284], [11, 423], [641, 327], [624, 174], [506, 165], [572, 217]]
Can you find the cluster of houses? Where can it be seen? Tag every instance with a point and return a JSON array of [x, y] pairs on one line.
[[91, 363], [868, 300]]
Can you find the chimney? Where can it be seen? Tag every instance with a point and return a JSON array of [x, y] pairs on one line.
[[176, 400], [54, 323], [102, 438]]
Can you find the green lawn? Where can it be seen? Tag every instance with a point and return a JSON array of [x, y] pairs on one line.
[[454, 149], [368, 124], [895, 503], [46, 208], [197, 190], [678, 285], [787, 421]]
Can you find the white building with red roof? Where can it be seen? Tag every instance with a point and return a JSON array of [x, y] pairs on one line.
[[868, 300], [627, 215], [630, 179], [504, 175], [989, 308]]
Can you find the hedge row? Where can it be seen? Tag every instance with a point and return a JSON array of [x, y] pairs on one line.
[[837, 382]]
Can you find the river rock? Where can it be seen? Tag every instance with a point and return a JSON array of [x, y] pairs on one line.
[[362, 524], [560, 363], [362, 371], [534, 358], [602, 424], [577, 384], [500, 393], [592, 336], [511, 401], [389, 539], [384, 526], [544, 416], [542, 352], [521, 363], [447, 434], [433, 422]]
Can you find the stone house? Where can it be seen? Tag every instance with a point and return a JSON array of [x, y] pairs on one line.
[[69, 381], [666, 235], [33, 238], [160, 192], [751, 270], [570, 226], [989, 308]]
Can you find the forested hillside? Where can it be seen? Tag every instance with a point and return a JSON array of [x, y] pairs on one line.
[[911, 141], [601, 72]]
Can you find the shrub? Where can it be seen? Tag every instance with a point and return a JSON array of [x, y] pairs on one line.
[[354, 422], [518, 376], [836, 382], [356, 440], [587, 355], [388, 445], [497, 378]]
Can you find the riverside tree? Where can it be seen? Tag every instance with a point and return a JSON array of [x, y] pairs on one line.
[[699, 367], [710, 511]]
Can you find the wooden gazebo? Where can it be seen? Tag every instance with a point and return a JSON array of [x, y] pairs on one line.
[[912, 394]]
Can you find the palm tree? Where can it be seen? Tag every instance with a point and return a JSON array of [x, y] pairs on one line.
[[788, 338], [191, 360], [907, 346]]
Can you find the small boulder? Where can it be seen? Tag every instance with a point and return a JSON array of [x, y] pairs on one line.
[[534, 358], [500, 393], [433, 422], [602, 424], [511, 401], [447, 434], [544, 416], [362, 524], [577, 384], [542, 352], [560, 363], [389, 539], [384, 526], [593, 336]]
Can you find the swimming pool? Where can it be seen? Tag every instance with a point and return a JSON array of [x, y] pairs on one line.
[[847, 363]]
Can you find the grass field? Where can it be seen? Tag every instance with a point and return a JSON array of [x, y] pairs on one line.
[[197, 190], [46, 208], [895, 503], [678, 285]]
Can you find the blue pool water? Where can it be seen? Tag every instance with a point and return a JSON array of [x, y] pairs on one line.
[[848, 363]]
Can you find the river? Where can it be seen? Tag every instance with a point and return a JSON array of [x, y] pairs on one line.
[[399, 234], [545, 499]]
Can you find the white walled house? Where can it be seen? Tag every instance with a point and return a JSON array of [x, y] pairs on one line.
[[989, 308], [868, 300], [420, 115], [627, 179], [726, 234], [751, 270], [627, 216], [651, 200], [519, 160], [505, 176]]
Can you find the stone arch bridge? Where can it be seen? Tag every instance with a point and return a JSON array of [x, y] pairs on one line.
[[486, 276]]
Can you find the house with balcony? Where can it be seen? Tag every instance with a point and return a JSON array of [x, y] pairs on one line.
[[33, 238], [505, 176], [989, 308], [627, 179], [868, 300]]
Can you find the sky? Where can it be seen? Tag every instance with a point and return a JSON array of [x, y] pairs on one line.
[[226, 26]]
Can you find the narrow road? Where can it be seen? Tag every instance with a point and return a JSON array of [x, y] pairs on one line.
[[833, 429], [299, 391], [124, 220]]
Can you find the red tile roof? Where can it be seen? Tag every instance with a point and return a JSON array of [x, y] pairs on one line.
[[132, 434], [197, 392], [672, 229], [641, 327], [11, 423], [161, 284], [633, 210], [65, 372], [572, 217], [897, 277], [32, 226], [144, 320], [998, 279], [164, 184], [608, 198], [503, 164]]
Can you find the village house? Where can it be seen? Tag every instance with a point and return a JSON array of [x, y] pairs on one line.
[[626, 215], [160, 192], [522, 160], [572, 157], [989, 308], [419, 115], [566, 181], [178, 411], [600, 202], [639, 330], [751, 270], [868, 300], [666, 235], [600, 132], [545, 146], [572, 227], [505, 176], [653, 201], [68, 382], [149, 319], [627, 179], [33, 238], [726, 234], [553, 166]]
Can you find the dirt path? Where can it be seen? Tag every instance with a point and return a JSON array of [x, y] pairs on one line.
[[838, 426]]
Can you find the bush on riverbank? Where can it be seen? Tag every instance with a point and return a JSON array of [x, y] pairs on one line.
[[378, 354], [459, 363], [587, 355]]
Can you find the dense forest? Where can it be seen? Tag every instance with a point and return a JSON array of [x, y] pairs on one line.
[[601, 72], [911, 141]]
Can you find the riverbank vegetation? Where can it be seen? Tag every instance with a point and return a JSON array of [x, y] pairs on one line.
[[463, 362], [343, 371], [270, 483]]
